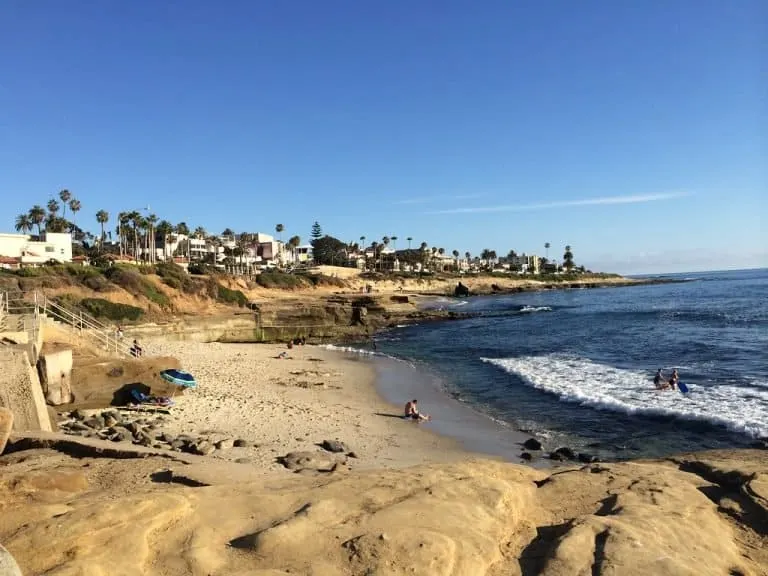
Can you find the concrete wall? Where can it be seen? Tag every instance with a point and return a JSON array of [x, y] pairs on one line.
[[55, 369], [20, 390]]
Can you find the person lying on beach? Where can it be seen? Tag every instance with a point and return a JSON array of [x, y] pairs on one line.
[[412, 411]]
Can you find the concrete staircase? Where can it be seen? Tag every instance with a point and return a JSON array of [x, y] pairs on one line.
[[31, 312]]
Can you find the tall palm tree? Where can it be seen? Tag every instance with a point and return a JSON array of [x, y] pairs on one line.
[[294, 242], [468, 256], [279, 229], [568, 258], [65, 196], [546, 248], [151, 244], [409, 242], [37, 217], [24, 223], [375, 246], [53, 206], [394, 242], [74, 206], [199, 233], [456, 259], [102, 217], [122, 231], [362, 241], [165, 229]]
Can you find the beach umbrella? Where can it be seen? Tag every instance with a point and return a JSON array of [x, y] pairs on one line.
[[179, 377]]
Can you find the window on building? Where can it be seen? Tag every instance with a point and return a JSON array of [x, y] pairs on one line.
[[50, 249]]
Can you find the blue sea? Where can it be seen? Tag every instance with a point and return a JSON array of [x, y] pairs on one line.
[[575, 367]]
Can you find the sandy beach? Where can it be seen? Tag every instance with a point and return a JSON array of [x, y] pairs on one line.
[[294, 404]]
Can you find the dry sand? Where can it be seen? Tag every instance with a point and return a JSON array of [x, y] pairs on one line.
[[288, 405]]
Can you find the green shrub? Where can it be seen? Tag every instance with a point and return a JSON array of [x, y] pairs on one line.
[[133, 282], [98, 283], [323, 280], [173, 283], [201, 269], [229, 296], [281, 280], [100, 308]]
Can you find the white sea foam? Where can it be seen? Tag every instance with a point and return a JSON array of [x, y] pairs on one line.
[[361, 352], [604, 387], [535, 309]]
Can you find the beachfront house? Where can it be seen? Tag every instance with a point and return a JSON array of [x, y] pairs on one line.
[[30, 250]]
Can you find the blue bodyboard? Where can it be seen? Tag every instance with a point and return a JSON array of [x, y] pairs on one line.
[[682, 387]]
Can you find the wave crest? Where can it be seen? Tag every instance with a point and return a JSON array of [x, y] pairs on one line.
[[604, 387]]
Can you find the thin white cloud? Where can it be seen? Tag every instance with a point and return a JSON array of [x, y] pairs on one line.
[[602, 201], [427, 199]]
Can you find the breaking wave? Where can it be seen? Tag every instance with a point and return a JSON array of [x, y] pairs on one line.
[[602, 387]]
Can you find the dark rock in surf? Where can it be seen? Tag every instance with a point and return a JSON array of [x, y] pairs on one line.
[[532, 444], [526, 456], [561, 454], [461, 290], [587, 458]]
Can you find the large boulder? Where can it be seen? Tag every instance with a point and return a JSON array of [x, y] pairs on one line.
[[6, 425], [461, 290]]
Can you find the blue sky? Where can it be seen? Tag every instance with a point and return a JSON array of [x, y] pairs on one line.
[[634, 131]]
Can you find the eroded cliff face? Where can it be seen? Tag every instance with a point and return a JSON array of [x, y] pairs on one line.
[[695, 515]]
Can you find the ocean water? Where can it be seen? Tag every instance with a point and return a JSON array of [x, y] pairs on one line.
[[574, 367]]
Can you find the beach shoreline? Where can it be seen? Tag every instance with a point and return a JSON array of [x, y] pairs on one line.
[[293, 404]]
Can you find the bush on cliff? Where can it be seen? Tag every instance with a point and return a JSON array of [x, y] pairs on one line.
[[281, 280], [104, 309], [132, 281]]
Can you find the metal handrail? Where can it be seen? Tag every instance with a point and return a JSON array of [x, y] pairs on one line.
[[3, 311], [84, 324]]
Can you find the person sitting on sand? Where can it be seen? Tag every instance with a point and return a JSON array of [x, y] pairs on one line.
[[674, 379], [412, 411]]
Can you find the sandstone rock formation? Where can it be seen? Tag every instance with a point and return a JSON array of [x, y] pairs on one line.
[[6, 425], [694, 515]]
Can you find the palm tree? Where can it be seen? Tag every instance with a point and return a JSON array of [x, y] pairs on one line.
[[53, 206], [456, 259], [122, 226], [279, 229], [394, 242], [24, 223], [375, 246], [568, 258], [65, 197], [165, 229], [199, 233], [294, 242], [151, 245], [546, 248], [74, 206], [409, 242], [362, 241], [102, 217], [37, 217]]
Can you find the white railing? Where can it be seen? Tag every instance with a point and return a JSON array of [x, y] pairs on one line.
[[33, 308], [3, 311]]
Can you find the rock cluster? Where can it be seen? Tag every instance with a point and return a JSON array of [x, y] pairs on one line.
[[562, 454], [142, 430]]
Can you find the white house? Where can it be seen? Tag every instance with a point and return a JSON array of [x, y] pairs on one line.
[[31, 250]]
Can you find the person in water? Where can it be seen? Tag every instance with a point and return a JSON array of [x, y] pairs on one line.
[[412, 411], [659, 380], [674, 379]]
